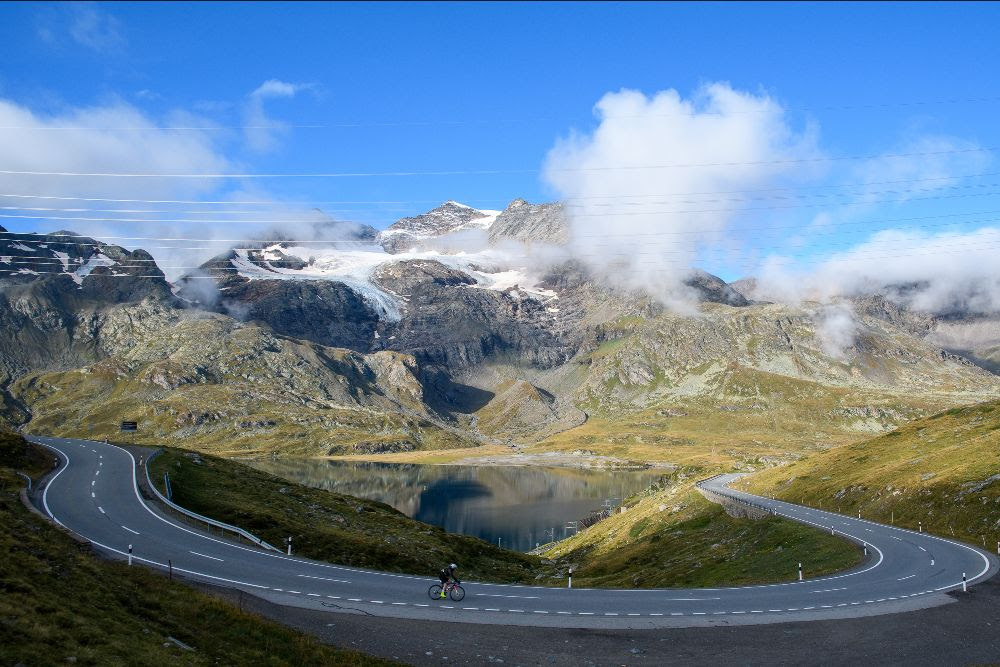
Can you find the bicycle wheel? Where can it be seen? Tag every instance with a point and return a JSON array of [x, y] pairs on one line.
[[434, 592], [457, 593]]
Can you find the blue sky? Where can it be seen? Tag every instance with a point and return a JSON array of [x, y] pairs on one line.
[[493, 87]]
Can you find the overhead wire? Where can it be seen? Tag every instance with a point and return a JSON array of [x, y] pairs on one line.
[[459, 172], [214, 127]]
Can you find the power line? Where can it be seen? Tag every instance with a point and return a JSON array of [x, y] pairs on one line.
[[313, 213], [460, 172], [656, 257], [498, 121], [577, 215], [26, 237], [314, 203], [683, 263]]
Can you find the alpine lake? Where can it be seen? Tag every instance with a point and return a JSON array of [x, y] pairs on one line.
[[517, 507]]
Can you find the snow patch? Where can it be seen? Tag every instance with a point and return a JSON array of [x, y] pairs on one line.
[[63, 257], [21, 246], [100, 259]]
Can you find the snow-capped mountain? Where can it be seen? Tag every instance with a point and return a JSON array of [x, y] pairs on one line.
[[94, 267], [450, 217]]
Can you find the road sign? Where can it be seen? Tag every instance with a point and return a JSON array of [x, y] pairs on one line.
[[130, 426]]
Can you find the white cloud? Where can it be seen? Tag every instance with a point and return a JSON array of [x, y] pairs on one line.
[[83, 23], [930, 162], [106, 139], [940, 273], [628, 220], [262, 131], [276, 88], [836, 330]]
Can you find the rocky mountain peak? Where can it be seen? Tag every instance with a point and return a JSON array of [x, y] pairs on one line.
[[447, 218], [531, 223]]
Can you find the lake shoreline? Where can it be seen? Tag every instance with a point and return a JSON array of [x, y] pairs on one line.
[[578, 459]]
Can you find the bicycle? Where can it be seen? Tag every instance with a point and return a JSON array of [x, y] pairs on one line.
[[454, 591]]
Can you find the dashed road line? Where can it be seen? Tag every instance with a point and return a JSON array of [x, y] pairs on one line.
[[906, 577], [213, 558], [134, 532], [309, 576]]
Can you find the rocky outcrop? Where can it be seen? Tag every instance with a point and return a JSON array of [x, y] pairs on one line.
[[448, 218], [531, 223], [449, 322]]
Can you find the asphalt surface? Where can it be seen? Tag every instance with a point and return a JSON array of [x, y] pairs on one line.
[[95, 495]]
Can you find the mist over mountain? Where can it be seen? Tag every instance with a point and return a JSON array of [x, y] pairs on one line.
[[452, 328]]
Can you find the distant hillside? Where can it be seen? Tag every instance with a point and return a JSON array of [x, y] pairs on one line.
[[942, 471]]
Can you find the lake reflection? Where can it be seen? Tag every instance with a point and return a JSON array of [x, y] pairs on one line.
[[519, 505]]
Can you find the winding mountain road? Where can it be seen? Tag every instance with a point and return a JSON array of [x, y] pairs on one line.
[[95, 495]]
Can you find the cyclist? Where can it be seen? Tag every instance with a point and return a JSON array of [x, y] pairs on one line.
[[447, 575]]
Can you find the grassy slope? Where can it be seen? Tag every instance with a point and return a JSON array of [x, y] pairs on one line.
[[672, 536], [58, 601], [934, 470], [92, 405], [331, 526], [754, 416]]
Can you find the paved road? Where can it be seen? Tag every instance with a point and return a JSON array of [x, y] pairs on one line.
[[95, 495]]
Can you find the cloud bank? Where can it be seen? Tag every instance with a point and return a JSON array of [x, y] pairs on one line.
[[941, 274], [620, 181]]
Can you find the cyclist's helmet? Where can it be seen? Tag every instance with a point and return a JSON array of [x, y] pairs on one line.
[[453, 566]]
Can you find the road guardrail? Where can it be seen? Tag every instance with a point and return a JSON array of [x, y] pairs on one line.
[[194, 515]]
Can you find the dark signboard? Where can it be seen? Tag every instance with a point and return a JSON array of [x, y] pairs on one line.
[[130, 426]]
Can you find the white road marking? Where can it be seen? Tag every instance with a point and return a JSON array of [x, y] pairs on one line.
[[537, 611], [348, 599], [204, 556], [93, 495], [921, 548], [93, 483], [496, 595], [339, 581], [134, 532], [102, 509], [907, 577], [691, 599], [295, 592], [830, 590], [897, 538]]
